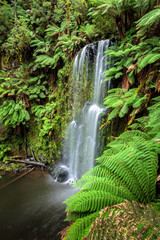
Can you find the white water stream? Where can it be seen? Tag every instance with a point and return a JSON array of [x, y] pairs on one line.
[[80, 148]]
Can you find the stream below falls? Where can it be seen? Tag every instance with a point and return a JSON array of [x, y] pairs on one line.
[[31, 208]]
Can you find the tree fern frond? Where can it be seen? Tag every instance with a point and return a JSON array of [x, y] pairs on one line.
[[92, 201], [129, 172], [73, 216], [148, 20], [129, 220], [103, 184], [76, 231]]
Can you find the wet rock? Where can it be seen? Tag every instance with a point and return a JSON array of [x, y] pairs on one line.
[[60, 173]]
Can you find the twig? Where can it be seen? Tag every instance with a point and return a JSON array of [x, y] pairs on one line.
[[32, 153]]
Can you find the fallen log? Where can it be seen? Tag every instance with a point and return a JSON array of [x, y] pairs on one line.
[[28, 162]]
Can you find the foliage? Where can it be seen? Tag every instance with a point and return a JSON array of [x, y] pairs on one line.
[[124, 13], [49, 53], [13, 114], [47, 115], [131, 59], [90, 31], [4, 150], [40, 13], [22, 86], [6, 20], [149, 22], [126, 170], [153, 126], [120, 101], [18, 41], [128, 220]]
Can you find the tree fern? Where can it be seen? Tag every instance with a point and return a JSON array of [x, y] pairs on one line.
[[121, 101], [129, 220], [148, 20], [104, 184], [153, 126], [91, 201], [126, 170], [78, 229]]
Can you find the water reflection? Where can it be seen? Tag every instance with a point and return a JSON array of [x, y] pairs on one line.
[[31, 208]]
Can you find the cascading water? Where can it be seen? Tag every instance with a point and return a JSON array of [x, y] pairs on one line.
[[88, 90]]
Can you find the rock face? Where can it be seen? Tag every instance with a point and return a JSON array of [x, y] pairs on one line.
[[60, 173]]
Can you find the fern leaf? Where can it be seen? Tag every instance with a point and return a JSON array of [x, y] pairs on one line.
[[113, 113], [146, 60], [154, 58], [92, 201], [123, 110], [106, 185], [76, 231], [131, 219]]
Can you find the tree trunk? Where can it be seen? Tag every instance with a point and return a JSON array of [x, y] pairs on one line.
[[15, 9]]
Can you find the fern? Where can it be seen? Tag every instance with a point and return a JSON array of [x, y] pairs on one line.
[[13, 114], [149, 59], [92, 201], [47, 116], [148, 20], [4, 150], [153, 126], [78, 229], [121, 101], [129, 220], [126, 170]]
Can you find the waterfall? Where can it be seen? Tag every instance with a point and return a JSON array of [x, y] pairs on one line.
[[87, 93]]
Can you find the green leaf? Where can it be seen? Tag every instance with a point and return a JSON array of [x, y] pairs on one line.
[[118, 75], [154, 58], [33, 96], [117, 103], [42, 95], [123, 110], [139, 102], [113, 113]]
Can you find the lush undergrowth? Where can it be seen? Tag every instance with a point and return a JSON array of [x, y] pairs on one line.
[[38, 42]]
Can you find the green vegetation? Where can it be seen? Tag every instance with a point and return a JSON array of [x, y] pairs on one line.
[[143, 222], [128, 167], [38, 42], [126, 170]]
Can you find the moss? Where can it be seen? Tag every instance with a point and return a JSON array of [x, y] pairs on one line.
[[12, 167]]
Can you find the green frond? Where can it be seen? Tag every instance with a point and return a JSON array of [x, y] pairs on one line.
[[92, 201], [106, 185], [148, 59], [126, 170], [78, 229], [148, 20], [130, 170]]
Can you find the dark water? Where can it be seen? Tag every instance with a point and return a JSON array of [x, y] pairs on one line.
[[31, 208]]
